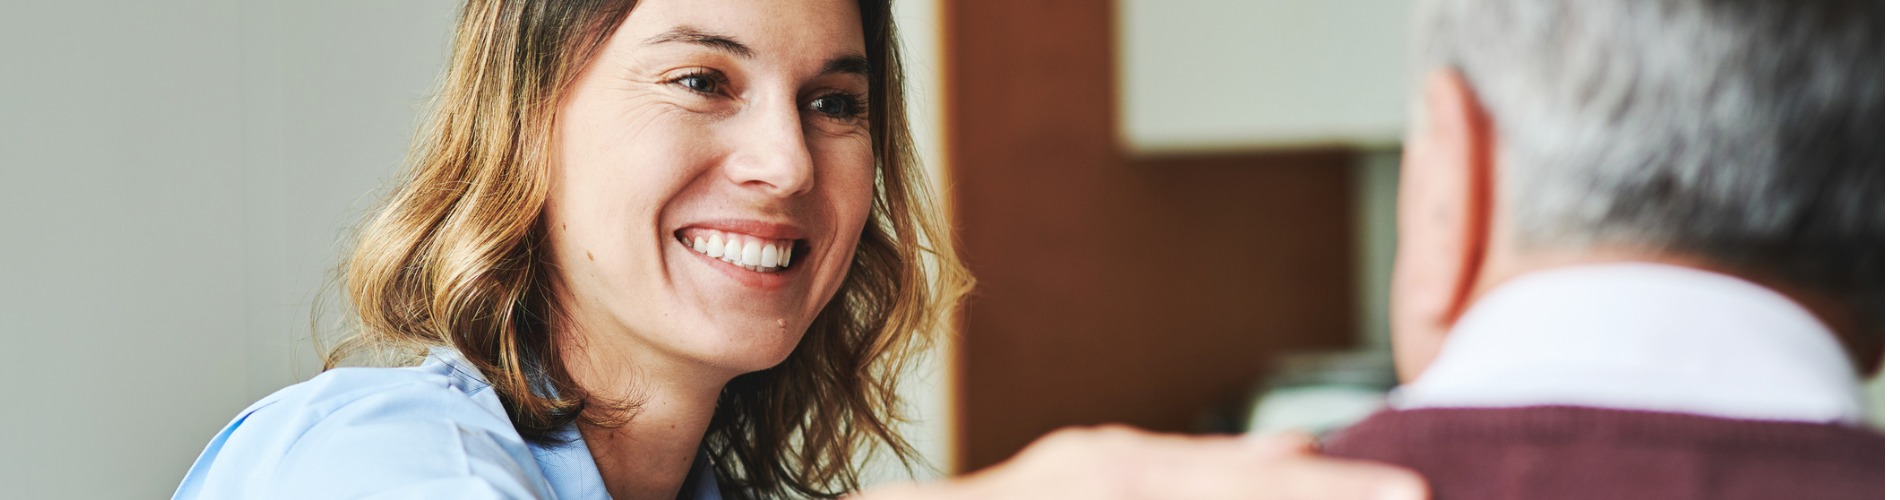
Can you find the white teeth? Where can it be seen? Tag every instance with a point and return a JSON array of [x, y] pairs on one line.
[[746, 252], [733, 250], [750, 254]]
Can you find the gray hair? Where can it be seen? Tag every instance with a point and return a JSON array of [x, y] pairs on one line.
[[1748, 132]]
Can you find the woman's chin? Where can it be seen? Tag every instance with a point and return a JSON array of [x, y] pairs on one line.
[[744, 345]]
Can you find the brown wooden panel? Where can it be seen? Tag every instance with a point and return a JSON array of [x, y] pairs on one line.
[[1113, 289]]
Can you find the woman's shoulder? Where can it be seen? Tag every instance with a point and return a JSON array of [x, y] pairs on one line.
[[442, 385], [353, 431]]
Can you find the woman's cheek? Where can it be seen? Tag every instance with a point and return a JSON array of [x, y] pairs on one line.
[[856, 173]]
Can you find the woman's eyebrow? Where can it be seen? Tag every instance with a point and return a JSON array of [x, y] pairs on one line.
[[696, 36], [854, 64], [851, 65]]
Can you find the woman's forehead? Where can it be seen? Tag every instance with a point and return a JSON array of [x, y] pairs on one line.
[[818, 30]]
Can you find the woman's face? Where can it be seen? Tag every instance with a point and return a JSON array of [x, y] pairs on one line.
[[713, 172]]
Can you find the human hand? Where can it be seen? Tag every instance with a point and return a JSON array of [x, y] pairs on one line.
[[1116, 462]]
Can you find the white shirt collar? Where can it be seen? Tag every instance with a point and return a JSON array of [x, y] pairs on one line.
[[1642, 337]]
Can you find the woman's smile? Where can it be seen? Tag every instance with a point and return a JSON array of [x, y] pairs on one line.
[[757, 254]]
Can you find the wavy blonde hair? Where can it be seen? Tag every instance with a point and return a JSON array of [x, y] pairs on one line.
[[457, 258]]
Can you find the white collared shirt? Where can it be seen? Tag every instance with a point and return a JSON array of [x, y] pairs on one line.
[[1642, 337]]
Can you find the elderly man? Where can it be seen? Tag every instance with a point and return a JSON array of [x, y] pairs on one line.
[[1640, 257], [1640, 251]]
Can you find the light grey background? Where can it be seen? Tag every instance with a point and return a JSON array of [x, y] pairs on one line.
[[176, 179]]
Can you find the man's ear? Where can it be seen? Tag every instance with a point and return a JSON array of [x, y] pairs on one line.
[[1445, 204]]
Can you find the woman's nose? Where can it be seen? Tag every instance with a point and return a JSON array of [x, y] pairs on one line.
[[771, 154]]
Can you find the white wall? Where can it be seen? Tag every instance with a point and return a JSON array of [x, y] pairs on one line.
[[176, 180], [927, 387], [1376, 197], [1197, 75]]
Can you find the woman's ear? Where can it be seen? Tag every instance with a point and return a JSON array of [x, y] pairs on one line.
[[1445, 204]]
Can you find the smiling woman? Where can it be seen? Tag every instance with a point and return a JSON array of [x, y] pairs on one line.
[[658, 250]]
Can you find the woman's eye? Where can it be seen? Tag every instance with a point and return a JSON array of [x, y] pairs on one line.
[[836, 106], [704, 84]]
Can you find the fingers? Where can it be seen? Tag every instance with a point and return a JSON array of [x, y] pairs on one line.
[[1258, 467], [1124, 463], [1266, 467], [1284, 443], [1313, 477]]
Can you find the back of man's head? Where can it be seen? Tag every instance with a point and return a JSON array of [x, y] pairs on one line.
[[1744, 132]]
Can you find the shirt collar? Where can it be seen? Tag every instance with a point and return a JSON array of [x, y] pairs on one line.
[[571, 470], [1642, 337], [569, 466], [566, 461]]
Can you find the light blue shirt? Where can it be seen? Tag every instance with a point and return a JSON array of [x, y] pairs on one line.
[[431, 431]]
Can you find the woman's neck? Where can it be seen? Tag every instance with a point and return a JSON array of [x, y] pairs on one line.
[[650, 451]]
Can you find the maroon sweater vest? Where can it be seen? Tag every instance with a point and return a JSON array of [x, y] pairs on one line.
[[1561, 452]]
